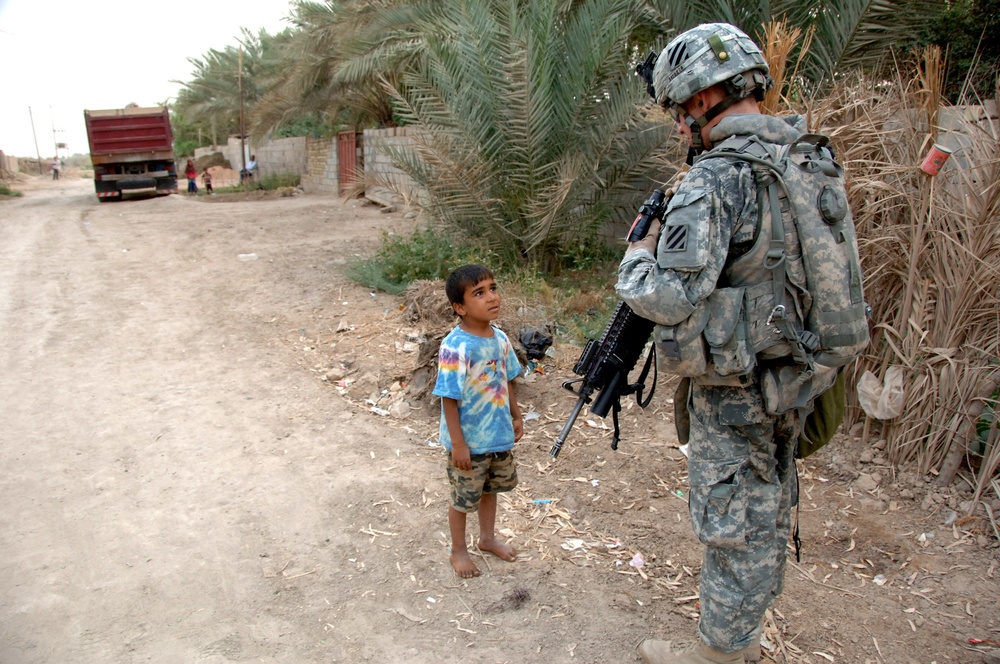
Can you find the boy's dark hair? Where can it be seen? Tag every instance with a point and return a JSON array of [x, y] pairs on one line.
[[462, 279]]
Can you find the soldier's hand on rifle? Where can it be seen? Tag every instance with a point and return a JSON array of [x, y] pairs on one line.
[[675, 181], [648, 242]]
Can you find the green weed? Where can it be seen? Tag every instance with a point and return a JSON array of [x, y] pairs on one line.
[[5, 190]]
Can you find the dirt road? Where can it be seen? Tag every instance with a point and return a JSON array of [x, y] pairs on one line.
[[180, 485]]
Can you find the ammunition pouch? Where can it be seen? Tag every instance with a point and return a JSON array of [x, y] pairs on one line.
[[713, 343]]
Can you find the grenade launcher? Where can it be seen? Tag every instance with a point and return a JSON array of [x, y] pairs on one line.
[[605, 365]]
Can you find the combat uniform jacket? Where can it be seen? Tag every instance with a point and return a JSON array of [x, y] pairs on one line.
[[712, 219]]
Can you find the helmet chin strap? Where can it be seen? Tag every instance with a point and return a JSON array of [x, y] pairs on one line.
[[697, 143]]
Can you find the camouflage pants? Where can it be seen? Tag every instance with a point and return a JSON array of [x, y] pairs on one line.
[[491, 473], [741, 470]]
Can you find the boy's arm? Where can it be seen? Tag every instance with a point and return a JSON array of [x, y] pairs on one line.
[[515, 412], [460, 454]]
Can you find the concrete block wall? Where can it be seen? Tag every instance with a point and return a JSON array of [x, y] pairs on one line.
[[385, 183], [279, 156], [322, 175], [8, 164]]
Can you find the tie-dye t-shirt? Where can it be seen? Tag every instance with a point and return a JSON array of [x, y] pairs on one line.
[[474, 371]]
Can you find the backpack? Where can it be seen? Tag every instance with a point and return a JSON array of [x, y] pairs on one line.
[[817, 303]]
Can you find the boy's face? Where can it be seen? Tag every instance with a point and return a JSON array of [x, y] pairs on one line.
[[481, 302]]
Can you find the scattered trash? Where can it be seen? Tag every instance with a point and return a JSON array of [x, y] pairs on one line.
[[636, 561], [433, 443], [880, 580], [535, 341], [882, 401], [683, 449], [542, 501], [531, 416], [574, 545], [951, 518], [595, 482], [247, 257], [379, 411]]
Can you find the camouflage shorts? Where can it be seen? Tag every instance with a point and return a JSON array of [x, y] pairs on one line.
[[491, 473]]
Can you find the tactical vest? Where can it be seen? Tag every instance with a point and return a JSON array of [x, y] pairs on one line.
[[796, 293]]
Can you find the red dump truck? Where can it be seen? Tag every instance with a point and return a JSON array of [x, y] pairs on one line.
[[132, 150]]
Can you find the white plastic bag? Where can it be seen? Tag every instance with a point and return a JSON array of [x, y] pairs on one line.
[[882, 402]]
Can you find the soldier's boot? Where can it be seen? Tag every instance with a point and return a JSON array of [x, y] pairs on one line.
[[659, 652]]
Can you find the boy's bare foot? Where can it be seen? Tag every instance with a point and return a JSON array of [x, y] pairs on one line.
[[463, 565], [501, 550]]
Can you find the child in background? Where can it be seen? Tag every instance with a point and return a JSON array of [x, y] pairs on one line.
[[191, 173], [206, 177], [480, 418]]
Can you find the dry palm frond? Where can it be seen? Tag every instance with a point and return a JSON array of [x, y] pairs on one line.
[[930, 72], [780, 40]]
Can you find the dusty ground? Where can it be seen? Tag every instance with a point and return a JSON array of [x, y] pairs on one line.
[[196, 469]]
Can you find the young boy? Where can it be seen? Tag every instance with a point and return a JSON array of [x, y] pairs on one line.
[[480, 418], [206, 177]]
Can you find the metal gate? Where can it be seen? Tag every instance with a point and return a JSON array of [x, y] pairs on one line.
[[349, 155]]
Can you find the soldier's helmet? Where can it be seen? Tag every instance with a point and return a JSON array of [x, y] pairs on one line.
[[703, 56]]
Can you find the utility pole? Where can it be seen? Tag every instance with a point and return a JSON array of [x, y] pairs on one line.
[[55, 136], [243, 133], [35, 136]]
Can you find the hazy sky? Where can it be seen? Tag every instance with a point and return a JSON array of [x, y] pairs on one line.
[[59, 57]]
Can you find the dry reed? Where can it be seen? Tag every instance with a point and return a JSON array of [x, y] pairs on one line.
[[931, 250]]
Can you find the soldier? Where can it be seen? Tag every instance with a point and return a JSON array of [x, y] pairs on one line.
[[741, 464]]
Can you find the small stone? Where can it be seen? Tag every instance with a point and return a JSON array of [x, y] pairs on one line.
[[866, 482], [866, 457], [879, 444], [336, 373], [400, 410]]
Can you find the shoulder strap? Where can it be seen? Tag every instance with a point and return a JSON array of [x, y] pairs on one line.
[[768, 175]]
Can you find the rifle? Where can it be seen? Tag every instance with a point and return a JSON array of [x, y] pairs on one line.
[[606, 364]]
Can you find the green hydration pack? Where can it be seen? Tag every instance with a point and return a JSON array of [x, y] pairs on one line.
[[801, 325]]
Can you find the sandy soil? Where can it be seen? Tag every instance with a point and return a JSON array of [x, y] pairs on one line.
[[205, 460]]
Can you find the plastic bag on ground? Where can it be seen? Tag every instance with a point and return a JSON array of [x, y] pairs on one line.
[[882, 401]]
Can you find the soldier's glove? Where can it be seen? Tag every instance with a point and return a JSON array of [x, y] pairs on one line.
[[648, 242]]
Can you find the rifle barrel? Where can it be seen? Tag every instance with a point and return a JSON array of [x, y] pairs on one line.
[[554, 452]]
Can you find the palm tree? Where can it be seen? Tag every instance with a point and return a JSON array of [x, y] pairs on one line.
[[332, 67], [530, 130], [849, 34], [212, 99]]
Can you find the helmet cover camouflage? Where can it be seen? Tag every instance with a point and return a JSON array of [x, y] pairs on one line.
[[701, 57]]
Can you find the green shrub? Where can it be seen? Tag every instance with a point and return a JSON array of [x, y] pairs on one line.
[[272, 182], [578, 304], [426, 254], [5, 190]]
